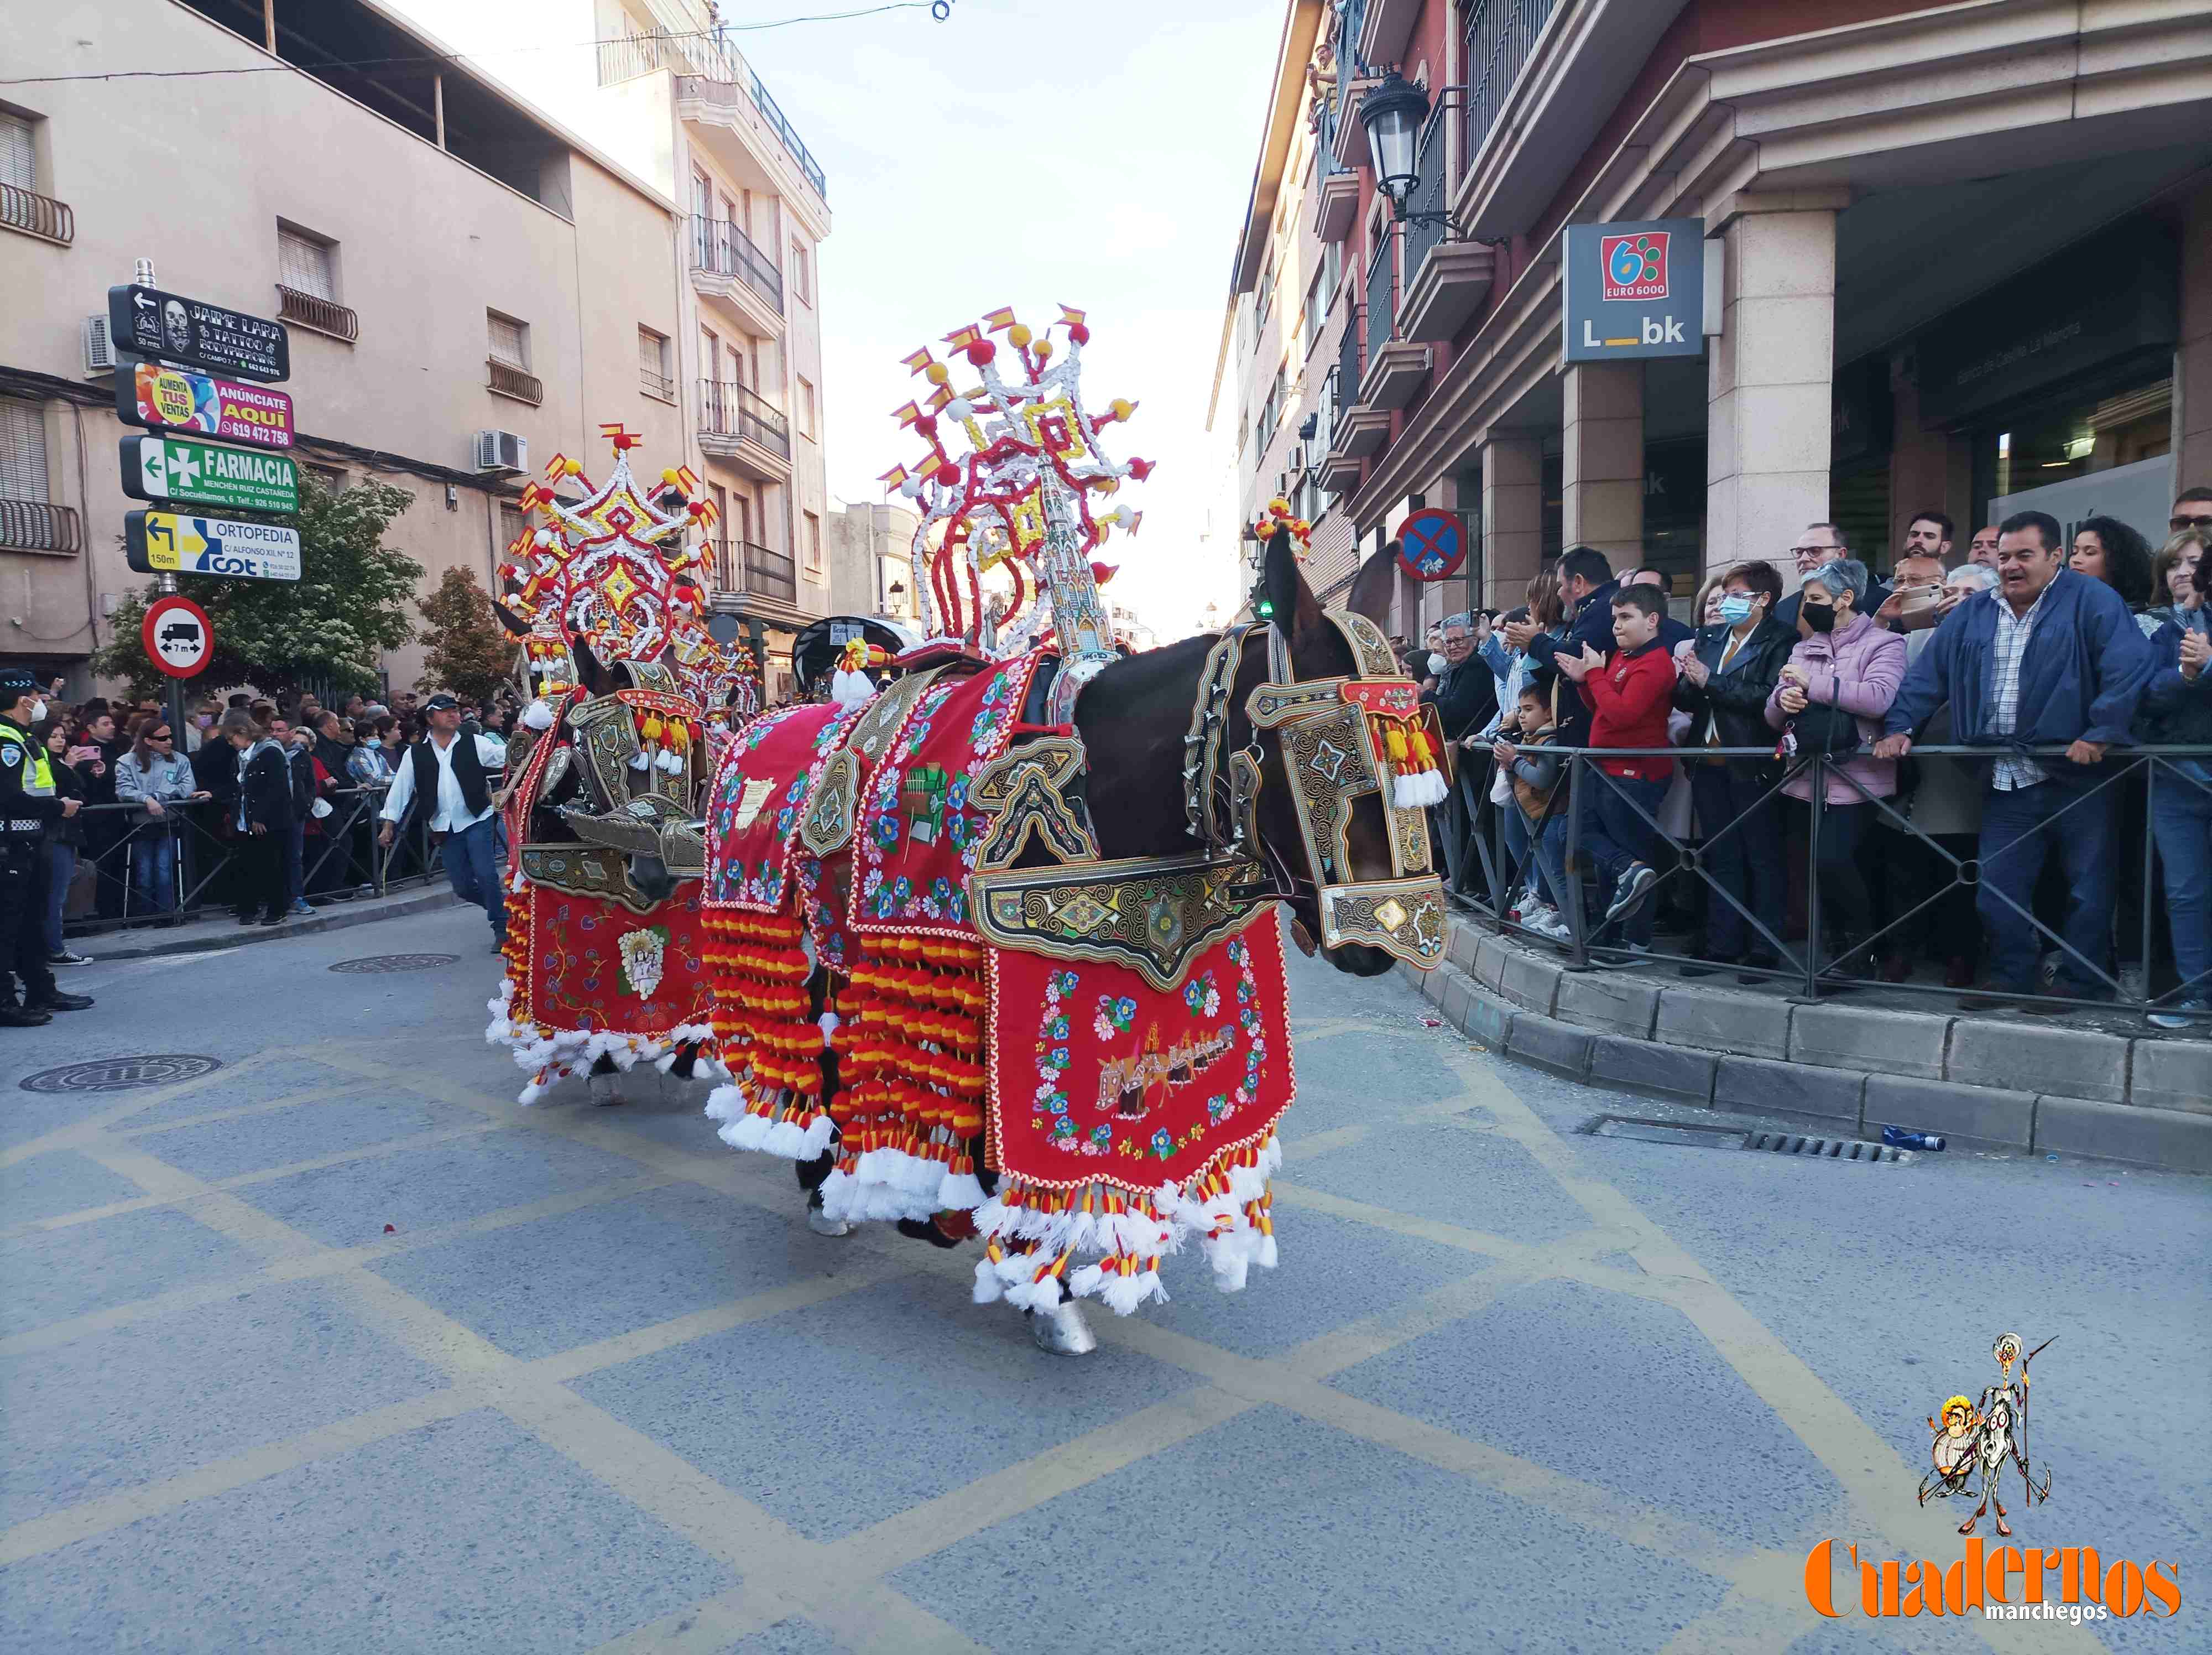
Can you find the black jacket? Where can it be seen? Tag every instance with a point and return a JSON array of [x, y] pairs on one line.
[[67, 784], [302, 763], [268, 789], [215, 771], [1593, 625], [24, 817], [1466, 697], [1737, 698]]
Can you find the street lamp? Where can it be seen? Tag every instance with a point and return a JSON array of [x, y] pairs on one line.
[[1394, 115]]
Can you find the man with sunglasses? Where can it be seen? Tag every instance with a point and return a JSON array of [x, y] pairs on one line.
[[2192, 509], [28, 805]]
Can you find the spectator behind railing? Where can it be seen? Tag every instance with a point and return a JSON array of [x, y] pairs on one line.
[[2177, 709], [94, 754], [152, 775], [1839, 682], [1723, 678], [2107, 550], [2173, 575], [2053, 658], [64, 838], [1628, 695], [1514, 669], [1466, 700], [1530, 813]]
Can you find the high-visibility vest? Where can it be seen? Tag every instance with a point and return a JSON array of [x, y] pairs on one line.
[[38, 774]]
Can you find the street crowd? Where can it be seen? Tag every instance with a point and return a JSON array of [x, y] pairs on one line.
[[2018, 870]]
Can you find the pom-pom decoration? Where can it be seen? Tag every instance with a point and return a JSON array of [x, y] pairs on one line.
[[1278, 515]]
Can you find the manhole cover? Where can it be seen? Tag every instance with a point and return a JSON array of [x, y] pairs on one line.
[[1737, 1137], [121, 1073], [396, 962]]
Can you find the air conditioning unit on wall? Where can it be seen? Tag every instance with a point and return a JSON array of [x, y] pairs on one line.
[[99, 351], [501, 451]]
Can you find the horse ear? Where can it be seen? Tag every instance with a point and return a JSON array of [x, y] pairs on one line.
[[509, 620], [1283, 585], [589, 672], [1370, 588]]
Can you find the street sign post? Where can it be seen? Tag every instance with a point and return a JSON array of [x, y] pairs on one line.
[[1635, 289], [193, 333], [178, 637], [194, 473], [172, 399], [169, 543]]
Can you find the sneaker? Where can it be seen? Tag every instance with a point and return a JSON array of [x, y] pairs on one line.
[[1548, 924], [301, 907], [2183, 1014], [66, 958], [1629, 896]]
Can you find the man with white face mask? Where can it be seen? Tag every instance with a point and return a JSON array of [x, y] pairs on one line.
[[27, 804], [1466, 699]]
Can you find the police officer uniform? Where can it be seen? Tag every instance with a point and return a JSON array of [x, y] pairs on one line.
[[28, 805]]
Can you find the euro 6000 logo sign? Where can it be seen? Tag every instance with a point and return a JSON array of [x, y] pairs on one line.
[[1635, 265]]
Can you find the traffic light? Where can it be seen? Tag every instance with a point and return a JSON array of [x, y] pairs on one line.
[[1263, 606]]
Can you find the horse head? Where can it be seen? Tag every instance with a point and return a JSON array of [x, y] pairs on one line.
[[1321, 824]]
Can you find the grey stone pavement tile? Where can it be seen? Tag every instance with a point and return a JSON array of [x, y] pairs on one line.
[[534, 1289], [340, 1206], [50, 1186], [350, 1120], [1535, 1369], [155, 1399], [793, 1637], [235, 1087], [833, 1416], [1477, 1179], [55, 1275], [1329, 1543], [468, 1536]]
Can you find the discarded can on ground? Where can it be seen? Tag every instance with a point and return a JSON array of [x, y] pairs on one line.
[[1898, 1138]]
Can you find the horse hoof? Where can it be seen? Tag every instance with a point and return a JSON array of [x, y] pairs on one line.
[[604, 1091], [823, 1225], [1062, 1331]]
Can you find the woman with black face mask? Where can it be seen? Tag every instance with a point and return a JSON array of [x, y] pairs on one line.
[[1836, 684]]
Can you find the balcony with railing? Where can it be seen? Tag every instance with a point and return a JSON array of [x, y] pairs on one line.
[[723, 256], [34, 214], [746, 568], [1447, 278], [1396, 367], [712, 72], [507, 380], [737, 423], [1355, 431], [1500, 36], [317, 316], [34, 525]]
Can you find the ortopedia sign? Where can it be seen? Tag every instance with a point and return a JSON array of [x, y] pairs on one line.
[[167, 543], [171, 399], [148, 322], [178, 638], [194, 473], [1635, 289]]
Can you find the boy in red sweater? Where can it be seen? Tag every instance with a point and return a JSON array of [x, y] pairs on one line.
[[1628, 694]]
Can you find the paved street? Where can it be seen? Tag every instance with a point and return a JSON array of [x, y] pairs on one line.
[[335, 1349]]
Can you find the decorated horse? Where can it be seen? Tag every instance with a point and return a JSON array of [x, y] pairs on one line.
[[632, 698], [995, 950]]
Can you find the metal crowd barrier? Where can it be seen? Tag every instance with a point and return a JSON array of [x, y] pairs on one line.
[[1808, 965], [341, 862]]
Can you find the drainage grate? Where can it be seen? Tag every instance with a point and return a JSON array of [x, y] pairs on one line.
[[378, 963], [1737, 1137], [121, 1073]]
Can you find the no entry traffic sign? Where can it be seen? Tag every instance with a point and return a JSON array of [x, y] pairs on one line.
[[1432, 545], [178, 637]]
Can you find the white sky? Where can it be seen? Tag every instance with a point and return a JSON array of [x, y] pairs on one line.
[[1032, 153]]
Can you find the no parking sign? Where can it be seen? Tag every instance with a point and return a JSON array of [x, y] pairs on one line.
[[178, 637], [1432, 545]]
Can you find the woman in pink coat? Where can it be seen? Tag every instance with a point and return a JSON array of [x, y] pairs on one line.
[[1848, 661]]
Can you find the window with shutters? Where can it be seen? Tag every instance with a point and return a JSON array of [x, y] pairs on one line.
[[19, 153], [510, 340], [22, 451], [304, 264], [654, 376], [22, 207], [510, 525]]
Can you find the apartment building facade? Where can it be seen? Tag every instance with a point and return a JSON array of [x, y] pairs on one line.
[[470, 286], [1958, 258]]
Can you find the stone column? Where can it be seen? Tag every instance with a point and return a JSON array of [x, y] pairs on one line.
[[1769, 375], [1603, 459], [1512, 516]]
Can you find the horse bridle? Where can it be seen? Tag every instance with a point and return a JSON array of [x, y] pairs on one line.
[[1331, 759]]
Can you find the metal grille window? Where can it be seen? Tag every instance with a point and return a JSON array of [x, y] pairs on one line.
[[19, 156], [305, 265], [653, 375], [1498, 37], [22, 451], [510, 525], [510, 340]]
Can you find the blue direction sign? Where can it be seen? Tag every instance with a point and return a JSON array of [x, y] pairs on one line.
[[1432, 545], [169, 543]]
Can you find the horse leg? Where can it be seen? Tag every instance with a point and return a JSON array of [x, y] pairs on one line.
[[1062, 1329], [810, 1177], [604, 1082]]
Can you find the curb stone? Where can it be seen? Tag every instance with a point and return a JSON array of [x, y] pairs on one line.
[[336, 918]]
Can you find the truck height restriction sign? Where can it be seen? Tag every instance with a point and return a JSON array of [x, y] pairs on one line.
[[178, 636], [190, 474], [169, 543]]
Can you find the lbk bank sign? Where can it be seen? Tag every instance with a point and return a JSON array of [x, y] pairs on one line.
[[1635, 291]]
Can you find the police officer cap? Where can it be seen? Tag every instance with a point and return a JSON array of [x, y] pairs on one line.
[[16, 683]]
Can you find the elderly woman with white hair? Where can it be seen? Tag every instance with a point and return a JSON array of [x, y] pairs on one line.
[[1834, 690]]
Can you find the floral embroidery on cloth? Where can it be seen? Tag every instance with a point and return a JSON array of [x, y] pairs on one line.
[[754, 804]]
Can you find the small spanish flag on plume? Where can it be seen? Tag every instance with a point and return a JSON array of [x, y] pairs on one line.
[[999, 320]]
